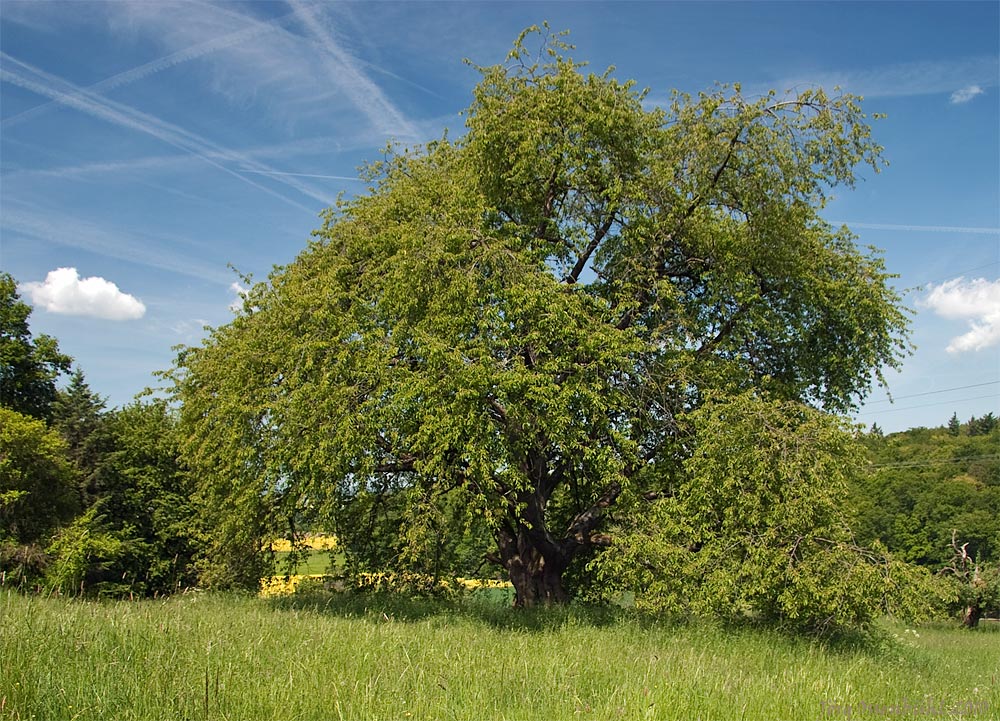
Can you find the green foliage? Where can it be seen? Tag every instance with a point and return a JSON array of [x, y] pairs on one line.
[[436, 536], [22, 565], [82, 553], [983, 589], [139, 535], [757, 529], [976, 593], [79, 416], [982, 426], [29, 366], [152, 489], [119, 469], [515, 320], [38, 490], [926, 484]]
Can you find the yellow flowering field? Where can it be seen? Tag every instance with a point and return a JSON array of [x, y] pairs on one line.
[[312, 541], [287, 585]]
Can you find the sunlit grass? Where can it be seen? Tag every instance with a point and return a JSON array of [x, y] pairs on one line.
[[204, 656], [310, 562]]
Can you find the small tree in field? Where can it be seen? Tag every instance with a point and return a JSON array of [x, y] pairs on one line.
[[517, 319], [756, 527], [978, 583]]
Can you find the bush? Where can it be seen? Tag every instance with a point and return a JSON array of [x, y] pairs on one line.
[[38, 489], [756, 529]]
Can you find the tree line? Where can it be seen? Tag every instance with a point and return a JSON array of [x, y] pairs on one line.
[[91, 500], [932, 495], [600, 350]]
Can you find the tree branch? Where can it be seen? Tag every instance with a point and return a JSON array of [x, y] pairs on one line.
[[406, 464], [579, 531], [581, 262], [547, 205]]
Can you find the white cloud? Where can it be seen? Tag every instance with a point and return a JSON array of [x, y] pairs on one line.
[[898, 80], [63, 291], [978, 302], [241, 294], [966, 94]]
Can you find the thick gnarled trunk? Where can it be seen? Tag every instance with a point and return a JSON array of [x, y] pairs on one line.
[[536, 560], [537, 579]]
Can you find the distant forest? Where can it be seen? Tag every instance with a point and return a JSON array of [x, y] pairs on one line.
[[933, 492]]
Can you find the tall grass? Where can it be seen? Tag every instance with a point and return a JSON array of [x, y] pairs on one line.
[[229, 657]]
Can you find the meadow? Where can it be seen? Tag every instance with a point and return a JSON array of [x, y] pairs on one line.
[[214, 656]]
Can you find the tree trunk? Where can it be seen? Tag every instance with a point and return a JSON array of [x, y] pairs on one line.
[[537, 578], [536, 582], [970, 618], [535, 559]]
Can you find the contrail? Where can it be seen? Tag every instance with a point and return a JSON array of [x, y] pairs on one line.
[[303, 175], [145, 70], [128, 117], [365, 94], [918, 228], [53, 227]]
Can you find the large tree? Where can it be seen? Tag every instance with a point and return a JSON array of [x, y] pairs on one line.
[[519, 317], [29, 366]]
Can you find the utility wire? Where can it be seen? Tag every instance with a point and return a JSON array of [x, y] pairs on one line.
[[923, 405], [958, 274], [930, 393]]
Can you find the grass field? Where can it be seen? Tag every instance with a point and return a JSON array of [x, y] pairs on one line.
[[315, 562], [204, 656]]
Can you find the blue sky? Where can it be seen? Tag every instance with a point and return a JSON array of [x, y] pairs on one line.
[[146, 146]]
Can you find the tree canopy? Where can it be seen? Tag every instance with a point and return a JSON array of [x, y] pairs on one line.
[[29, 366], [521, 318], [37, 483], [758, 527]]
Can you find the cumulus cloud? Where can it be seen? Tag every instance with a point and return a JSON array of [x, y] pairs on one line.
[[966, 94], [63, 291], [978, 302], [241, 294]]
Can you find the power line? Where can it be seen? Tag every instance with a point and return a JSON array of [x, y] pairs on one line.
[[959, 273], [923, 405], [930, 393]]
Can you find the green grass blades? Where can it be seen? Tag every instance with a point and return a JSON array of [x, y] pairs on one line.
[[203, 656]]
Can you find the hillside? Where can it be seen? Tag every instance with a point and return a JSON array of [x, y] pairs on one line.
[[928, 483]]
